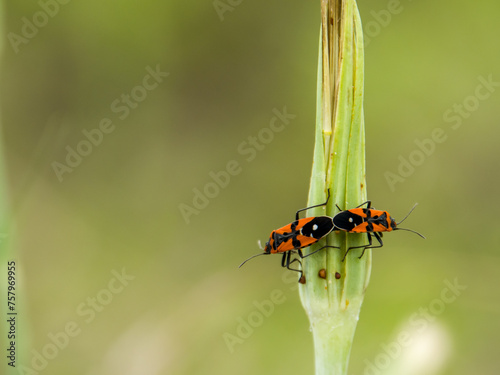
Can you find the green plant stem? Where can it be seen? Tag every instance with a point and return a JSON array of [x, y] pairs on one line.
[[333, 304]]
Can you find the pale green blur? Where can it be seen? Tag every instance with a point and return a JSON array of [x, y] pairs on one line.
[[432, 88]]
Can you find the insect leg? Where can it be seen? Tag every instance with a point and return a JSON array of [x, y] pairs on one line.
[[315, 251], [283, 259], [379, 239], [369, 204], [286, 261], [362, 246], [318, 205]]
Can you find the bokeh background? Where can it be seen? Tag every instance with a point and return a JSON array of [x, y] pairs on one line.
[[119, 208]]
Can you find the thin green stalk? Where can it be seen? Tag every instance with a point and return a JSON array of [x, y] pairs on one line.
[[333, 303]]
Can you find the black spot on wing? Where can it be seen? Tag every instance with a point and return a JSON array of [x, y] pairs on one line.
[[379, 220], [296, 243], [318, 227], [281, 238], [273, 241], [383, 220], [347, 221]]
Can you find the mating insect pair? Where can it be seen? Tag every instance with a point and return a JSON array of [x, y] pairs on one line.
[[304, 232]]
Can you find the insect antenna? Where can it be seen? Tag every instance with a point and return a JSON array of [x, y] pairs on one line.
[[253, 256], [410, 230], [408, 214]]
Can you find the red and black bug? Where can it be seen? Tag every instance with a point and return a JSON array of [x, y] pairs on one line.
[[370, 221], [293, 237]]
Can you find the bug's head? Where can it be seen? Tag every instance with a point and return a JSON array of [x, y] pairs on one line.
[[267, 248]]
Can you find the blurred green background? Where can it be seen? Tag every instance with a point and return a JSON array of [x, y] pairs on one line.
[[120, 207]]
